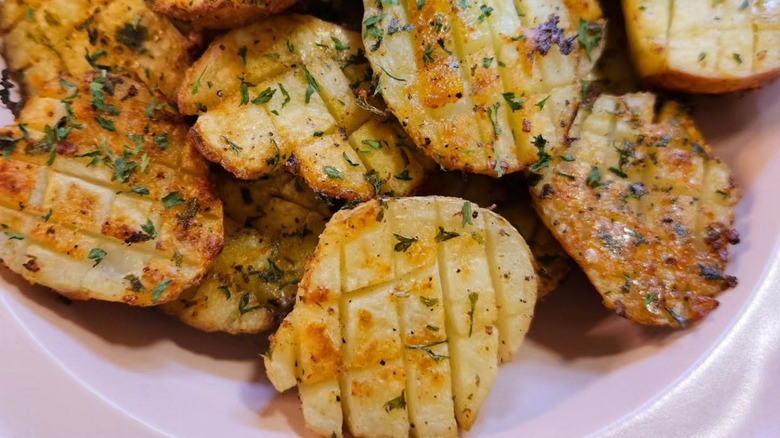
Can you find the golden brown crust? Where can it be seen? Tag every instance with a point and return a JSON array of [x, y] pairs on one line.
[[45, 39], [690, 83], [220, 14], [102, 197], [641, 204], [482, 80]]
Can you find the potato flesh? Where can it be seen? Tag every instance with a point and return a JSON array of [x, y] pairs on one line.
[[705, 46], [275, 223], [44, 39], [466, 56], [643, 207], [312, 119], [406, 333], [82, 200]]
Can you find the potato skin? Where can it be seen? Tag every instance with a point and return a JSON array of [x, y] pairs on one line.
[[219, 14], [691, 63]]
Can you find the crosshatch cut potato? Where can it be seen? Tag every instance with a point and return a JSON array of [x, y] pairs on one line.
[[272, 227], [641, 204], [473, 82], [704, 46], [403, 315], [44, 39], [509, 196], [292, 91], [102, 198], [220, 14]]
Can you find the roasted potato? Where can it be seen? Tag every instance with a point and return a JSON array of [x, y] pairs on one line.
[[219, 14], [509, 198], [101, 197], [44, 39], [484, 78], [272, 227], [291, 92], [704, 46], [641, 204], [403, 315]]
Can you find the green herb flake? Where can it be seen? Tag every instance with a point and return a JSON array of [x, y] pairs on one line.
[[514, 103], [97, 255], [486, 63], [285, 94], [473, 297], [340, 46], [444, 235], [172, 199], [589, 35], [243, 304], [737, 58], [265, 96], [242, 54], [158, 291], [426, 57], [333, 173], [403, 176], [541, 103], [14, 236], [290, 46], [428, 301], [105, 123], [48, 215], [396, 403], [140, 190], [349, 161], [466, 213], [149, 229], [196, 85], [427, 348], [312, 85], [650, 298], [236, 148], [420, 4], [404, 243], [133, 35], [492, 114], [486, 12], [594, 177]]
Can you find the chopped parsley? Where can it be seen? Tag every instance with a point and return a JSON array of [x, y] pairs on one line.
[[97, 255], [312, 85], [265, 96], [404, 243], [333, 173], [473, 297], [149, 229], [172, 199], [444, 235], [514, 103], [396, 403], [594, 177], [467, 213], [589, 35], [158, 291]]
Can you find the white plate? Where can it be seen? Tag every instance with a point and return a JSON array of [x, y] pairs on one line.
[[98, 369]]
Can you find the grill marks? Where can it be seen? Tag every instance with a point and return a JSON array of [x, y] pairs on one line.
[[472, 57], [645, 196], [415, 322]]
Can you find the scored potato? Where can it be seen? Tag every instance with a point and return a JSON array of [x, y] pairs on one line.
[[272, 228], [101, 196], [46, 38], [291, 91], [403, 315], [509, 196], [219, 14], [704, 46], [641, 204], [484, 78]]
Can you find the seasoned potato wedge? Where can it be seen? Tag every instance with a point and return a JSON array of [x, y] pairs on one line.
[[509, 198], [102, 198], [272, 228], [44, 39], [291, 92], [704, 46], [219, 14], [484, 78], [403, 315], [641, 204]]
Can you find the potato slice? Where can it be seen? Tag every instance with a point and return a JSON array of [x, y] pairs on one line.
[[46, 38], [101, 197], [272, 229], [219, 14], [704, 46], [292, 92], [484, 78], [403, 315], [509, 198], [641, 204]]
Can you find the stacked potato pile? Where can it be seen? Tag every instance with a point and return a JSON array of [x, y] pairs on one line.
[[392, 311]]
